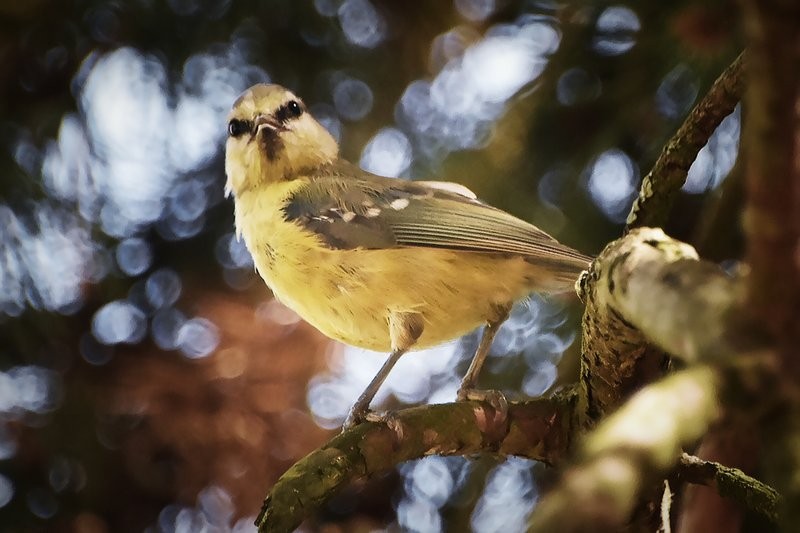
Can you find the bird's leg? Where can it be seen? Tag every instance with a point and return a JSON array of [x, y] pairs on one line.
[[404, 330], [360, 410], [467, 390]]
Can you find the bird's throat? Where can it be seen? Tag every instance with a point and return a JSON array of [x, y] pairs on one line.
[[271, 143]]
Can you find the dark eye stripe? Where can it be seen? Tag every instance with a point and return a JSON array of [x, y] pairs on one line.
[[289, 110], [237, 128]]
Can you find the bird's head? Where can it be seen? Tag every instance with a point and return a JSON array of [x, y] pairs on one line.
[[272, 137]]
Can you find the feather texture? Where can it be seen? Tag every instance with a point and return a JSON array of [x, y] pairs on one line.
[[348, 208]]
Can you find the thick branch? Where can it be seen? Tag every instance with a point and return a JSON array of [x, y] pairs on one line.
[[657, 285], [731, 483], [539, 429], [642, 441], [661, 185], [648, 287], [642, 438]]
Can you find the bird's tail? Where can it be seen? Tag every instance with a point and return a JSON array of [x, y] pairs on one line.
[[557, 271]]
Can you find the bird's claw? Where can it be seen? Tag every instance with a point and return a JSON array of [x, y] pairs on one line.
[[496, 399], [356, 417]]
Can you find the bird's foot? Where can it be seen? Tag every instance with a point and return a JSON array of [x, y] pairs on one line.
[[496, 399], [355, 418]]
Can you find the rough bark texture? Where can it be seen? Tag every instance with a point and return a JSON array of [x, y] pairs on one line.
[[702, 507], [661, 185], [645, 286], [731, 483], [647, 282], [538, 429]]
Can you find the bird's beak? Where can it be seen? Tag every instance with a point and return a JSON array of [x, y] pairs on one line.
[[268, 122]]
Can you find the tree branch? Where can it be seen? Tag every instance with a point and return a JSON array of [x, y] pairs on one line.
[[627, 451], [656, 284], [635, 284], [641, 442], [731, 483], [648, 287], [734, 443], [538, 429], [662, 183]]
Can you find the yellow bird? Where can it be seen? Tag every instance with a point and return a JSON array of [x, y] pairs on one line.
[[378, 263]]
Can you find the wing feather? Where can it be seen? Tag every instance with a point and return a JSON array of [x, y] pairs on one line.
[[349, 208]]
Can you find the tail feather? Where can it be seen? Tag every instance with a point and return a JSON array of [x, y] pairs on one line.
[[558, 272]]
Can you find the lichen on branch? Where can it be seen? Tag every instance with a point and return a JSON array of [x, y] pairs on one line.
[[539, 429]]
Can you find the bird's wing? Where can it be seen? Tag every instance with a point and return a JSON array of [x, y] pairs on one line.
[[353, 209]]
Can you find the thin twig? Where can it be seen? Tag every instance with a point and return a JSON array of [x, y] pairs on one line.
[[633, 448], [731, 483], [666, 509], [661, 185]]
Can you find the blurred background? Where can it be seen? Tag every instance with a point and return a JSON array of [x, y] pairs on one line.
[[149, 382]]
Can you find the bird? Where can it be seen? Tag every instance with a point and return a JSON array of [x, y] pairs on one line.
[[379, 263]]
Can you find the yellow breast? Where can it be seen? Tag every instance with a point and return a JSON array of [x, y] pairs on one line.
[[350, 294]]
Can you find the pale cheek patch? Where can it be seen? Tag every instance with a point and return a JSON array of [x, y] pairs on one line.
[[400, 203]]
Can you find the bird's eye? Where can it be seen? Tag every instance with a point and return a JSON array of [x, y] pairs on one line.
[[289, 110], [237, 127], [295, 110]]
